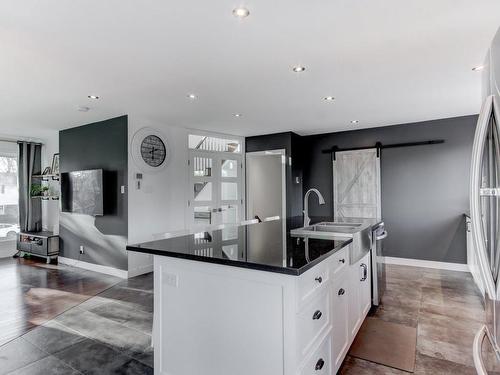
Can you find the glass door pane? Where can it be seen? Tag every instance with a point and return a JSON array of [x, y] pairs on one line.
[[229, 214], [229, 168], [229, 191], [202, 191], [202, 215], [202, 201], [202, 166]]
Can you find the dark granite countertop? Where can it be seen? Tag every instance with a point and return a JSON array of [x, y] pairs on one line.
[[258, 246]]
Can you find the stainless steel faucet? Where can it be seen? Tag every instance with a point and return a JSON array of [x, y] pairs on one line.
[[307, 219]]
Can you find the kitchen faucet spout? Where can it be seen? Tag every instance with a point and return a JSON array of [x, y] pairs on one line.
[[307, 219]]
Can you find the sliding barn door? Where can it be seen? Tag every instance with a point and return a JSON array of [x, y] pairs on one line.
[[356, 184]]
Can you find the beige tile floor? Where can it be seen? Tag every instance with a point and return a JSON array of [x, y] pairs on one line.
[[447, 311]]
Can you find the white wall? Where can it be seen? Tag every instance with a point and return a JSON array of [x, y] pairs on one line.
[[160, 205], [50, 209]]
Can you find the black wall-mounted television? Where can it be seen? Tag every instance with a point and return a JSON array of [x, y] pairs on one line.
[[83, 192]]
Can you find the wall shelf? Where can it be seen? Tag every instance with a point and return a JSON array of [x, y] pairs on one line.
[[47, 177], [46, 197]]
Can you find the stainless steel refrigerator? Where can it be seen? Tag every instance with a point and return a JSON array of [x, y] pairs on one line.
[[266, 201], [485, 201]]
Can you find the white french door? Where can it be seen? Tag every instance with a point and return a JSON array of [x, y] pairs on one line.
[[215, 186]]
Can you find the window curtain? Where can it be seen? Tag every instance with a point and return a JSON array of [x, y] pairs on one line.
[[30, 210]]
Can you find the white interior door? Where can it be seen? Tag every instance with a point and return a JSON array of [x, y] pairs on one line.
[[215, 186], [356, 184]]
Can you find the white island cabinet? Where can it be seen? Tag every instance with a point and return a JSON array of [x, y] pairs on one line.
[[217, 319]]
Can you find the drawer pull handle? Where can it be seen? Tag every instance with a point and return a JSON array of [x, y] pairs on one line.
[[317, 315], [341, 292], [319, 279], [319, 364], [365, 272], [342, 260]]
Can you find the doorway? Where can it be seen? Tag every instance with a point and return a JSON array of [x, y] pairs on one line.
[[216, 180]]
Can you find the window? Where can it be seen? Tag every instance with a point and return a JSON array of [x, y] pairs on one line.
[[207, 143], [9, 192]]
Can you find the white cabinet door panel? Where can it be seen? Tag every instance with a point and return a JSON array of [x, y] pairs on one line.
[[340, 310], [365, 290], [223, 318]]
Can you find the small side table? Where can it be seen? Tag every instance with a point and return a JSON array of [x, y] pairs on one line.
[[41, 244]]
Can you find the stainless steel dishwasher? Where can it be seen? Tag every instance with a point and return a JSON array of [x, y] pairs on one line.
[[379, 233]]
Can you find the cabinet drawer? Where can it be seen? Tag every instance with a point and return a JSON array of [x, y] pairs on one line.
[[319, 363], [340, 261], [313, 320], [38, 249], [312, 282], [23, 246]]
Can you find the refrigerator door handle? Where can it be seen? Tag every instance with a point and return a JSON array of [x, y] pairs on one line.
[[475, 192], [477, 352]]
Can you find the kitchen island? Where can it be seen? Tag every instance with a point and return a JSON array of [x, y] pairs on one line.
[[249, 300]]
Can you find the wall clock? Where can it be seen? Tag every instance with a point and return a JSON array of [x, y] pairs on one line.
[[150, 150]]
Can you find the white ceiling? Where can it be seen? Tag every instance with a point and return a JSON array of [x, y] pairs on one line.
[[385, 62]]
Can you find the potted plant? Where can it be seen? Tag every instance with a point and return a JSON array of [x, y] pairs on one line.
[[36, 190], [45, 191]]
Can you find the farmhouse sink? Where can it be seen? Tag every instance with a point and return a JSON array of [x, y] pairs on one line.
[[359, 232]]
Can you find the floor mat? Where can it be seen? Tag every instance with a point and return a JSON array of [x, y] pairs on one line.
[[386, 343]]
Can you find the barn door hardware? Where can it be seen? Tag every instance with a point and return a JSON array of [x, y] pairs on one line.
[[379, 146]]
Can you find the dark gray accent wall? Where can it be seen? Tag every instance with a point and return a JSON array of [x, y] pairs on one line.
[[101, 145], [425, 189]]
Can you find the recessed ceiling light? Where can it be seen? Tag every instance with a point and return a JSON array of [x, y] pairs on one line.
[[478, 68], [354, 122], [241, 12], [238, 115], [298, 68], [93, 97], [192, 96], [329, 98]]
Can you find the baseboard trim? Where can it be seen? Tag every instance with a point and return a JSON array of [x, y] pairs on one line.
[[427, 264], [94, 267], [140, 270]]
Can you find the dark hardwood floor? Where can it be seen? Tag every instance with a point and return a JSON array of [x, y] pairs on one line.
[[109, 333], [88, 323], [33, 292]]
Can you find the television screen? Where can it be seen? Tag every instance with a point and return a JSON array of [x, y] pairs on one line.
[[82, 192]]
